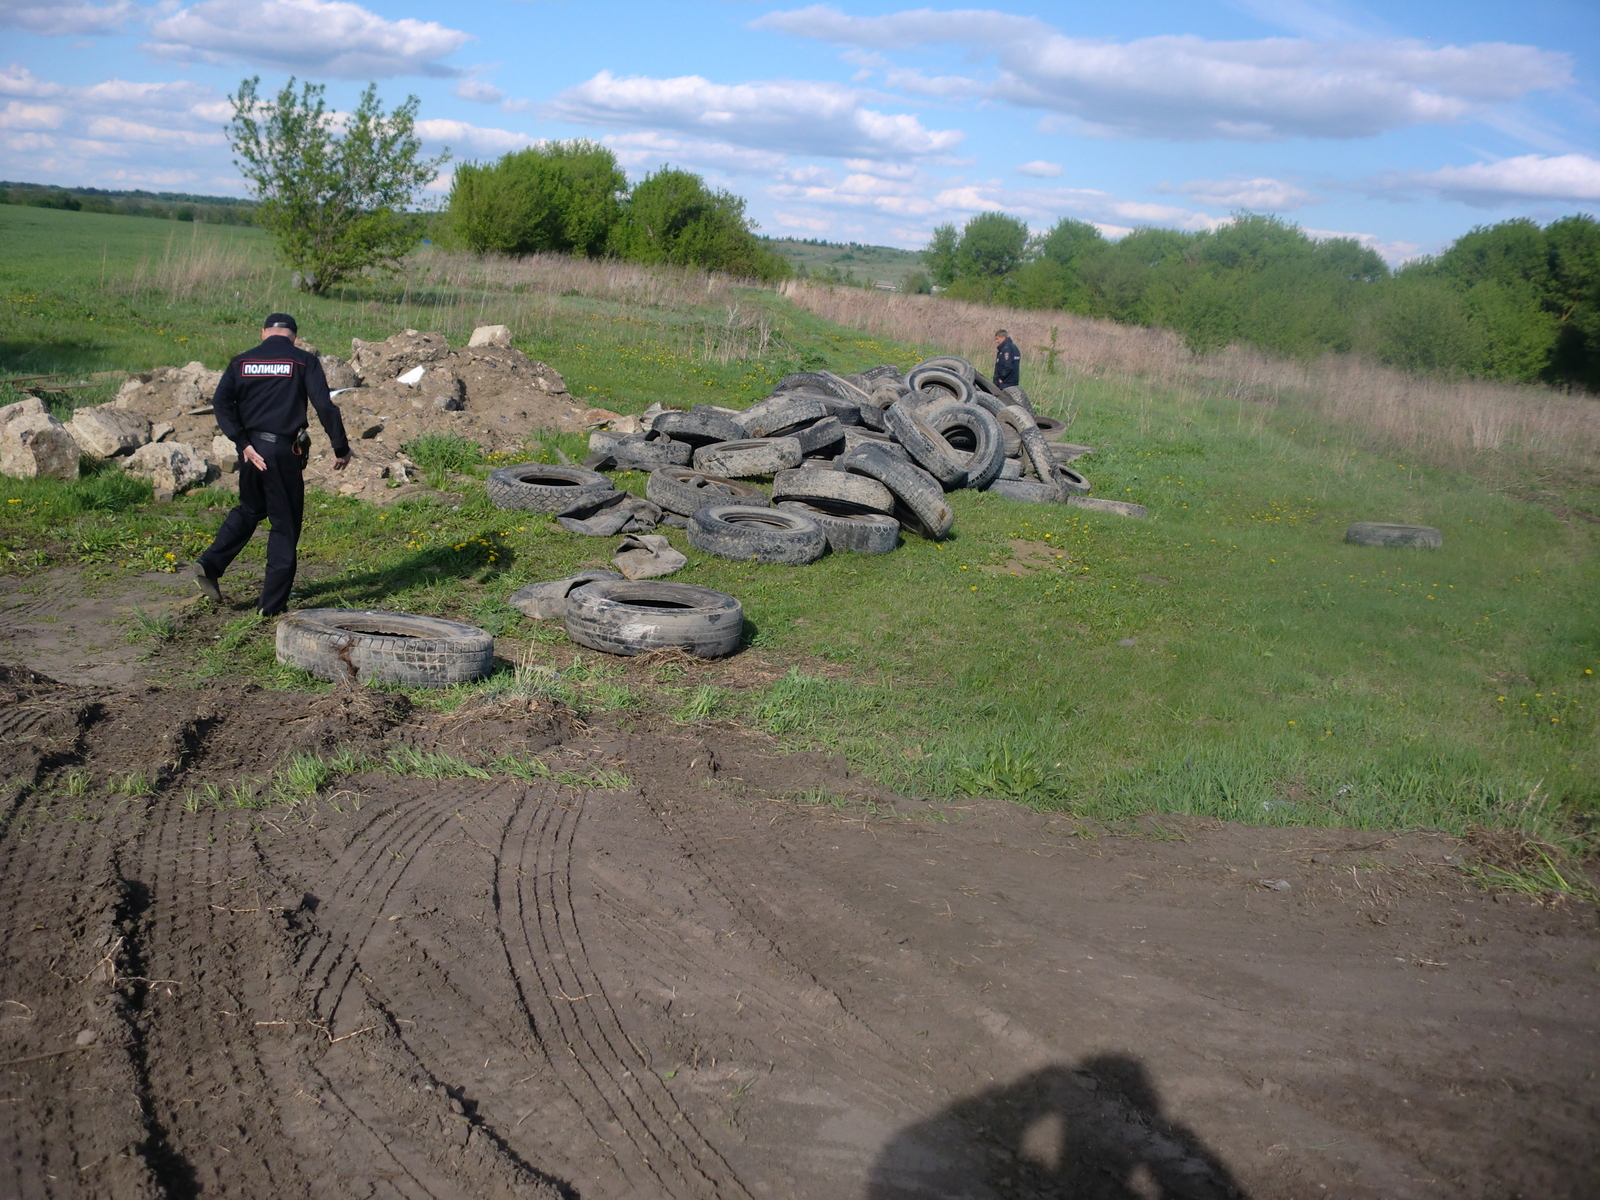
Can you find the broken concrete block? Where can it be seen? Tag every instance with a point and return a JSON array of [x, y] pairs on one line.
[[171, 466], [106, 431], [37, 446], [491, 335]]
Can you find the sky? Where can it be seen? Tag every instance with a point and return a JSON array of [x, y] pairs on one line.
[[1403, 126]]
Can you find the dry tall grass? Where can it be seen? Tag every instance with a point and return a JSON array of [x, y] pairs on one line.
[[1444, 420]]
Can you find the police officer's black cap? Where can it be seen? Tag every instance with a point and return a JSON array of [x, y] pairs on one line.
[[280, 319]]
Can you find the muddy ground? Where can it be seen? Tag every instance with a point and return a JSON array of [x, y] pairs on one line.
[[744, 973]]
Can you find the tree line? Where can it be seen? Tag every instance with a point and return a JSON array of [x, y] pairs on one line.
[[169, 206], [1513, 301]]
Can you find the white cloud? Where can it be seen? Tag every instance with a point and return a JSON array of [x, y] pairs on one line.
[[1181, 86], [73, 19], [470, 87], [647, 150], [319, 37], [17, 115], [1041, 169], [781, 116], [1564, 178], [17, 80], [461, 136], [1257, 195], [1393, 253], [117, 129]]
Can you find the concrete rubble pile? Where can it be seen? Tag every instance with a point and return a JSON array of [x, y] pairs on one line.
[[161, 424]]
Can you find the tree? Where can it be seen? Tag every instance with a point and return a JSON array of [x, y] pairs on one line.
[[672, 217], [561, 196], [940, 255], [336, 203], [992, 244]]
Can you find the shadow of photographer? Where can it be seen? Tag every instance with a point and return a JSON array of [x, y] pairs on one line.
[[1091, 1132], [474, 554]]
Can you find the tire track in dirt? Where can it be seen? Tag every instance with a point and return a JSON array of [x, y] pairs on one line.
[[604, 1073]]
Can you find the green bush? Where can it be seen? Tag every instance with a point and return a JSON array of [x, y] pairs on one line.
[[561, 196], [672, 217]]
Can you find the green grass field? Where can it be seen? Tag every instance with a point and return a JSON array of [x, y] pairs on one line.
[[863, 263], [1230, 655]]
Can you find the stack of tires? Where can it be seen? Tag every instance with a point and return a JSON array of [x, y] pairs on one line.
[[853, 460]]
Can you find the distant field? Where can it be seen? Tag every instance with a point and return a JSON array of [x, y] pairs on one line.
[[863, 263], [1230, 655]]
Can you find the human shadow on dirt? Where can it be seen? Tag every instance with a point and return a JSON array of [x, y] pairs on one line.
[[483, 554], [1091, 1132]]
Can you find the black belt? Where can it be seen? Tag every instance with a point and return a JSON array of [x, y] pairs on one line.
[[272, 437]]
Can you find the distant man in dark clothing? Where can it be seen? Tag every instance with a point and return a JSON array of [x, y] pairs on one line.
[[1007, 361], [261, 407]]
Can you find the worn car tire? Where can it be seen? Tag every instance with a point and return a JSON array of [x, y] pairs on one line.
[[1029, 491], [1065, 452], [757, 535], [698, 428], [1069, 481], [748, 456], [1035, 450], [1017, 396], [846, 412], [919, 500], [946, 362], [539, 487], [633, 616], [974, 431], [940, 379], [851, 533], [873, 437], [1123, 508], [781, 412], [875, 375], [650, 449], [383, 647], [686, 491], [872, 414], [820, 437], [923, 443], [982, 385], [1051, 429], [833, 491], [1386, 533]]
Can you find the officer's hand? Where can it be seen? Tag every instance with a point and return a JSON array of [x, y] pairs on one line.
[[253, 457], [341, 462]]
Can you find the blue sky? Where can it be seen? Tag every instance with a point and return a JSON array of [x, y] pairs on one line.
[[1404, 125]]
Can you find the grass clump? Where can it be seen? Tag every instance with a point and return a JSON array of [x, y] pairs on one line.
[[439, 455]]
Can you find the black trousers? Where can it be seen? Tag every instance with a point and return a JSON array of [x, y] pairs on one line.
[[279, 495]]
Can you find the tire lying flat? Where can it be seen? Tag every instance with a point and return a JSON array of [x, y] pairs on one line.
[[833, 491], [851, 533], [748, 457], [539, 487], [757, 535], [633, 616], [685, 491], [1387, 533], [370, 646]]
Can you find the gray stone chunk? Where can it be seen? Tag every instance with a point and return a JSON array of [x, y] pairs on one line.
[[106, 431], [37, 446]]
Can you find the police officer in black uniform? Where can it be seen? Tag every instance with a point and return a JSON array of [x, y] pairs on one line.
[[261, 406], [1007, 361]]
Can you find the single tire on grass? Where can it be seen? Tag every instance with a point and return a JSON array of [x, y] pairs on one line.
[[748, 456], [1386, 533], [1027, 491], [382, 647], [539, 487], [851, 533], [1070, 481], [685, 491], [919, 500], [1052, 429], [833, 491], [633, 616], [923, 443], [757, 535]]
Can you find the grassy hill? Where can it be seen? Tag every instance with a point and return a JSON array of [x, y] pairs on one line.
[[1230, 655], [848, 262]]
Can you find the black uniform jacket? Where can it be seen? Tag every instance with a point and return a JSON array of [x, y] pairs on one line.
[[265, 391], [1007, 364]]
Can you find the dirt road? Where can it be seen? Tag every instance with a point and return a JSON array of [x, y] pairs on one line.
[[714, 982]]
